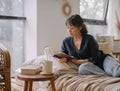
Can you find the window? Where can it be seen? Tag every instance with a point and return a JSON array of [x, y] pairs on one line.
[[94, 11], [12, 30], [11, 7]]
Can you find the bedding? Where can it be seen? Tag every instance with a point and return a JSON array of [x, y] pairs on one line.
[[68, 79], [75, 82], [56, 64]]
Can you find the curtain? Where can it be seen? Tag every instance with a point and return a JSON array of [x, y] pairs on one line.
[[114, 7]]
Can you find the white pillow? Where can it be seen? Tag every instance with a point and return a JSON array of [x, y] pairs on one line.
[[48, 54], [56, 64]]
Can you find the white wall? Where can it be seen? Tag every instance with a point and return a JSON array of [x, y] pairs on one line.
[[45, 25], [30, 29], [51, 23]]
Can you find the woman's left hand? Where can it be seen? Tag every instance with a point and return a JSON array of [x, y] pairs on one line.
[[63, 60], [78, 62]]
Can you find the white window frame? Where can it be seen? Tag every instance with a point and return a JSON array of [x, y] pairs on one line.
[[99, 22]]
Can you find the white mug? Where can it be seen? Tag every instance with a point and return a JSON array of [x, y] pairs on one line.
[[46, 67]]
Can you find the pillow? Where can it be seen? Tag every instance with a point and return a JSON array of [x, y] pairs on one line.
[[56, 64], [105, 47], [58, 67]]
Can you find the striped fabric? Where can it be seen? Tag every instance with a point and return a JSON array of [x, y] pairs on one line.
[[75, 82]]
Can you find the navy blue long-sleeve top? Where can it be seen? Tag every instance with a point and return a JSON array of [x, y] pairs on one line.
[[89, 49]]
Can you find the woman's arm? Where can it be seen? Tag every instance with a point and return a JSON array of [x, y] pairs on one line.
[[63, 60], [78, 62], [75, 61]]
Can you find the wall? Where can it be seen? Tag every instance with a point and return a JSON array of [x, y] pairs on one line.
[[51, 23], [45, 25]]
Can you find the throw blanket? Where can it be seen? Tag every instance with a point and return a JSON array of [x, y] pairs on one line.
[[75, 82]]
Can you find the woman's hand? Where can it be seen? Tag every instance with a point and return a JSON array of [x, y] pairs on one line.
[[78, 62], [62, 60]]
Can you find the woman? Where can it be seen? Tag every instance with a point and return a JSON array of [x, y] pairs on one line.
[[84, 48]]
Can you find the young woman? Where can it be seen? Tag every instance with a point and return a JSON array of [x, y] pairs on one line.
[[84, 48]]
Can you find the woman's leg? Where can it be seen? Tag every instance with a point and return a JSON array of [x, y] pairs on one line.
[[89, 68], [111, 66]]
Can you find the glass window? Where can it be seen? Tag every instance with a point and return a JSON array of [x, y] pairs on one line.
[[12, 36], [12, 30], [95, 10], [11, 7]]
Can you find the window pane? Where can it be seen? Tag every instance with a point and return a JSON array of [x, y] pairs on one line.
[[96, 30], [11, 7], [11, 31], [11, 35], [93, 9]]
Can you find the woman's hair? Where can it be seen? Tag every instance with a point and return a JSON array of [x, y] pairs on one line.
[[77, 21]]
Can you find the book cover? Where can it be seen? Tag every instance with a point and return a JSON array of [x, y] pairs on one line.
[[62, 55]]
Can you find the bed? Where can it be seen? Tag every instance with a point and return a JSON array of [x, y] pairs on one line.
[[67, 79], [72, 82]]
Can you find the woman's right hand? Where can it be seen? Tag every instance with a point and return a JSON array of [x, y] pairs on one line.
[[78, 62], [63, 60]]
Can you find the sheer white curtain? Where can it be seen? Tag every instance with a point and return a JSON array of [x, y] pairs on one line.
[[114, 6]]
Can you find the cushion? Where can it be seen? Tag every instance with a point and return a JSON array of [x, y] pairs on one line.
[[105, 47], [58, 67], [56, 64]]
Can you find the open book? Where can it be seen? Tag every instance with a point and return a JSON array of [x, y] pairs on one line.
[[62, 55]]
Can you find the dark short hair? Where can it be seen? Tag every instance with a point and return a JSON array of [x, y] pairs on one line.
[[77, 21]]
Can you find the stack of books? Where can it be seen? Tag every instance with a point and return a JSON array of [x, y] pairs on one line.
[[30, 70]]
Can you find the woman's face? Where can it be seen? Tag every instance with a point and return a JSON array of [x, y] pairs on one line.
[[72, 30]]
